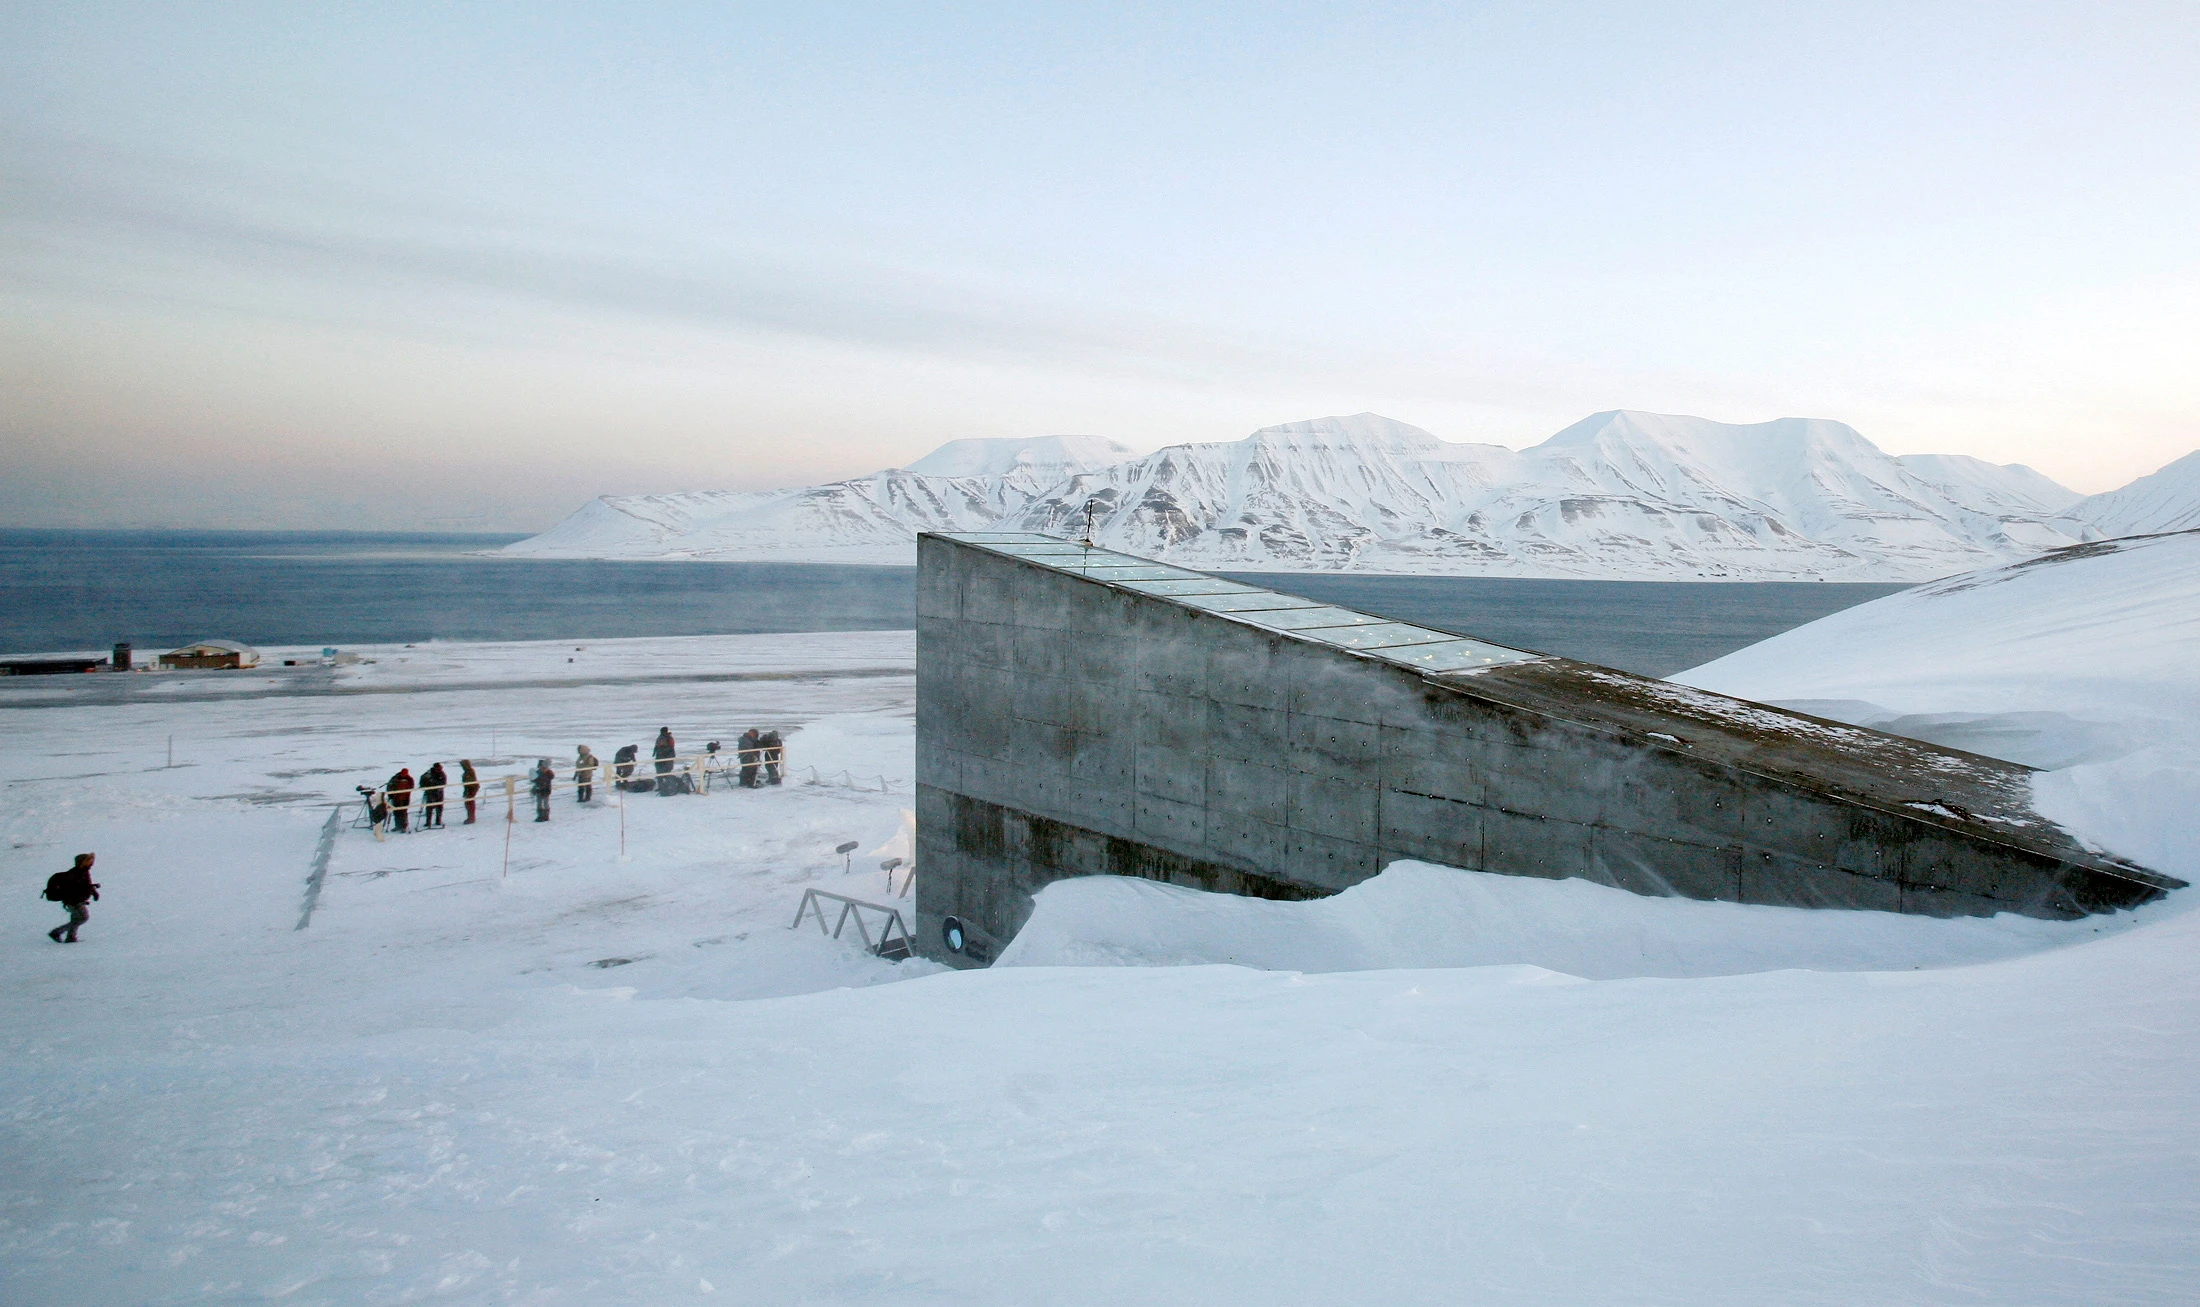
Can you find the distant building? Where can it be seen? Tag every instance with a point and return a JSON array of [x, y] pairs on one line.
[[212, 654], [50, 666]]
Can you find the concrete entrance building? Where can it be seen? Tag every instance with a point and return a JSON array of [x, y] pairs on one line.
[[1084, 712]]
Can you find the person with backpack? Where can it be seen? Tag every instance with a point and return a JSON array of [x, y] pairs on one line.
[[72, 889], [775, 755], [469, 786], [541, 786], [432, 782], [400, 793]]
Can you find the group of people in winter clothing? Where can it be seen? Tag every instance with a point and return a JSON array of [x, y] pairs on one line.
[[398, 792], [760, 760], [760, 755]]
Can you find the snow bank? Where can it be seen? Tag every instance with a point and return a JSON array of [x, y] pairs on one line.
[[2106, 631], [1416, 914], [2085, 662]]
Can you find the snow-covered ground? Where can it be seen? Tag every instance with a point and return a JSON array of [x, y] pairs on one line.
[[625, 1081]]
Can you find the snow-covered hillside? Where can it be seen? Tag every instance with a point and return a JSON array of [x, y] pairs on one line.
[[1619, 495], [2168, 500], [2082, 661], [965, 485], [1048, 458]]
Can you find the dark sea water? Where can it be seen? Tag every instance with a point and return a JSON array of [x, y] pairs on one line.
[[159, 589], [84, 590]]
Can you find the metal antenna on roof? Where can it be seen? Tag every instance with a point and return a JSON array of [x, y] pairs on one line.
[[1092, 506]]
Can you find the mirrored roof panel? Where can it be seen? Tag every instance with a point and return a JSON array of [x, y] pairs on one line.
[[1007, 539], [1303, 619], [1138, 572], [1247, 600], [1376, 637], [1205, 585], [1454, 655]]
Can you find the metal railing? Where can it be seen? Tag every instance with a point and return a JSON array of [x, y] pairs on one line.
[[894, 940]]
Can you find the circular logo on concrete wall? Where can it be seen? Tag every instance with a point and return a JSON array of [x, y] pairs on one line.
[[951, 933]]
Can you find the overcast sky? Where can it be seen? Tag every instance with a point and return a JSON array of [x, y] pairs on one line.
[[464, 266]]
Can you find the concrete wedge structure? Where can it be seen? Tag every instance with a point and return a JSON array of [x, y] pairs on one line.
[[1085, 712]]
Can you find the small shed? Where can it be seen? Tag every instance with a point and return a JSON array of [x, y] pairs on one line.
[[212, 653]]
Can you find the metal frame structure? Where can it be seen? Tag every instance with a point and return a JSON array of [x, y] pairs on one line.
[[894, 940]]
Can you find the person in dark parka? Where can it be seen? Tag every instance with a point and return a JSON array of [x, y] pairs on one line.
[[399, 791], [469, 786], [72, 889], [540, 787], [622, 764], [775, 756], [664, 751], [751, 747], [432, 782]]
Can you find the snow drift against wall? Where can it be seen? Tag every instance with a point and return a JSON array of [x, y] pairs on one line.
[[2084, 662], [1416, 914], [1618, 495]]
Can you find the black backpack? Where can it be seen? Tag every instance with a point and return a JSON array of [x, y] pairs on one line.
[[71, 886]]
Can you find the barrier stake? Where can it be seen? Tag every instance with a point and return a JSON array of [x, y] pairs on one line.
[[511, 815]]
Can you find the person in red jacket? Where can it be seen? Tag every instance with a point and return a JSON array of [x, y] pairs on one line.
[[400, 792], [72, 889]]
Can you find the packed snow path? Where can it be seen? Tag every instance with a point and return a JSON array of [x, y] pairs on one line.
[[628, 1082]]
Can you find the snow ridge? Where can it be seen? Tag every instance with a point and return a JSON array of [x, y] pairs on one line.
[[1620, 494], [2167, 500]]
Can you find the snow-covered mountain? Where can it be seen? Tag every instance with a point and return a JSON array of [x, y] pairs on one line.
[[2168, 500], [965, 485], [1997, 488], [1048, 458], [1619, 494]]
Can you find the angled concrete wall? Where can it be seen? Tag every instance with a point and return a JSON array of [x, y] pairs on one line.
[[1081, 712]]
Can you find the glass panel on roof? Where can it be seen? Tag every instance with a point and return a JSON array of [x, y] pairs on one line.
[[1112, 565], [1075, 558], [1139, 572], [1453, 655], [1248, 602], [1379, 635], [1300, 619], [1196, 585]]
